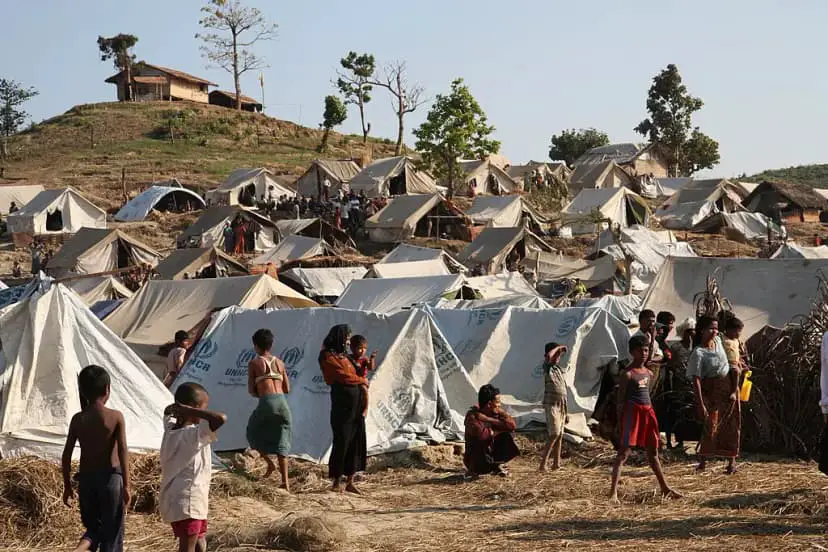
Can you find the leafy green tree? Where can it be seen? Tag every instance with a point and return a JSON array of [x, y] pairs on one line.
[[670, 125], [12, 116], [571, 144], [335, 114], [354, 83], [118, 48], [455, 128], [232, 29]]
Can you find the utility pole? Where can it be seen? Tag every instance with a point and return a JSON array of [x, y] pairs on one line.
[[261, 83]]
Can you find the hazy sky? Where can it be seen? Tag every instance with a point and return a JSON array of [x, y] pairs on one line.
[[536, 67]]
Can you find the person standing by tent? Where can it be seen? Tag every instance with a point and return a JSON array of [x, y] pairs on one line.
[[229, 238], [679, 396], [175, 358], [269, 426], [490, 442], [13, 208], [37, 257], [349, 451], [717, 398], [554, 403], [103, 475], [239, 231]]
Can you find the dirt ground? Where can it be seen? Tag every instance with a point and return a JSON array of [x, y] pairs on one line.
[[418, 501]]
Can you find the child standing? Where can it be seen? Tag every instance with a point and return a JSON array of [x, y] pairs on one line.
[[554, 403], [186, 464], [639, 427], [175, 358], [103, 477], [733, 349], [362, 365]]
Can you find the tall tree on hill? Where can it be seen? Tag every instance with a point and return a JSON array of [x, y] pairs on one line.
[[118, 48], [232, 28], [335, 114], [406, 96], [353, 82], [571, 144], [455, 128], [12, 96], [670, 127]]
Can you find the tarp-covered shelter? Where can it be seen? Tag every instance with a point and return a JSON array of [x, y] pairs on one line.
[[292, 248], [607, 174], [150, 318], [619, 205], [762, 291], [207, 230], [93, 250], [497, 248], [697, 200], [791, 250], [326, 283], [198, 262], [390, 295], [94, 289], [481, 176], [163, 196], [46, 340], [546, 170], [505, 284], [404, 217], [312, 228], [392, 176], [666, 187], [405, 252], [786, 201], [17, 192], [419, 391], [246, 186], [554, 267], [56, 212], [623, 307], [432, 267], [740, 226], [338, 173], [522, 301], [502, 211]]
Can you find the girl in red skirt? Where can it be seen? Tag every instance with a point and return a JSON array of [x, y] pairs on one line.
[[639, 427]]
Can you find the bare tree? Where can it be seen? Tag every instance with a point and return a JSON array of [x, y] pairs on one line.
[[406, 96], [232, 29]]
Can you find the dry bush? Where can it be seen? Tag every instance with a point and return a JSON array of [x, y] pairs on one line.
[[302, 534]]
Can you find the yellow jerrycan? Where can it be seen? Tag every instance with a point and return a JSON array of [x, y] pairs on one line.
[[747, 385]]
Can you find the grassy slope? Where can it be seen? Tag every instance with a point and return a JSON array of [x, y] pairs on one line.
[[813, 175], [211, 142]]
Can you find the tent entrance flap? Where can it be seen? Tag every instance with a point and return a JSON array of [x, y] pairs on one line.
[[54, 221]]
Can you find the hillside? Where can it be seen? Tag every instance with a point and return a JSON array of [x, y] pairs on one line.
[[88, 146], [815, 176]]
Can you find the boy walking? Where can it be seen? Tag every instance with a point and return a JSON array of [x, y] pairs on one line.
[[103, 477], [639, 427], [175, 358], [186, 464], [554, 403]]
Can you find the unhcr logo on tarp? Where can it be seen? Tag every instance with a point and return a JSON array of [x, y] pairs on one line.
[[205, 350], [292, 357]]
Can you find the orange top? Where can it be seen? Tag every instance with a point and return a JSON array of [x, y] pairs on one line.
[[339, 369]]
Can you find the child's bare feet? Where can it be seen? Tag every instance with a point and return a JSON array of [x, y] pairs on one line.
[[669, 493], [702, 466], [285, 486], [556, 467], [613, 498], [351, 488], [731, 468]]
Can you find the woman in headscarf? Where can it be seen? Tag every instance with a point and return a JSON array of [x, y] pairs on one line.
[[716, 399], [349, 452]]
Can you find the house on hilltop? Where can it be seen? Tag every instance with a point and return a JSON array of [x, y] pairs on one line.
[[155, 83], [786, 201], [228, 99], [635, 159]]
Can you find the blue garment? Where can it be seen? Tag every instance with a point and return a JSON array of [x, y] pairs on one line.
[[101, 501]]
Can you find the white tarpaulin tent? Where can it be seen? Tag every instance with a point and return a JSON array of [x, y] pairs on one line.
[[20, 194], [191, 262], [338, 173], [150, 318], [555, 267], [504, 347], [390, 295], [619, 205], [55, 212], [251, 184], [405, 253], [94, 250], [523, 301], [207, 230], [392, 176], [292, 248], [666, 187], [492, 248], [98, 288], [496, 211], [740, 226], [324, 282], [495, 286], [170, 198], [762, 291], [686, 216], [46, 340], [697, 200], [418, 391], [398, 220], [791, 250], [624, 307], [484, 177], [433, 267]]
